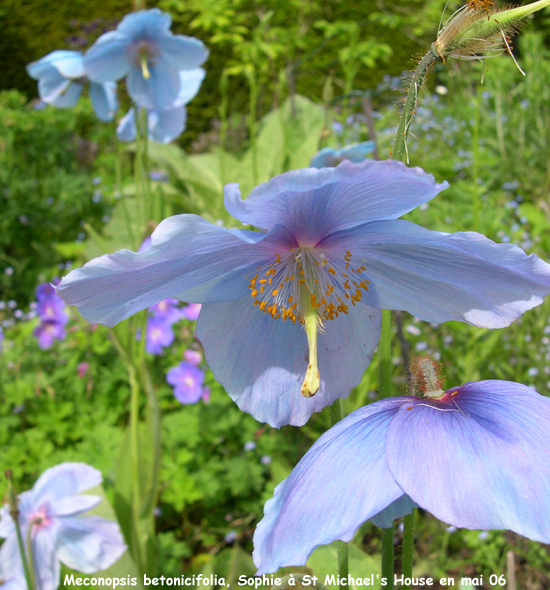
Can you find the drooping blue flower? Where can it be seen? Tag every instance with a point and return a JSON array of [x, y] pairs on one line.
[[329, 157], [60, 532], [159, 335], [187, 381], [61, 78], [164, 125], [476, 458], [296, 309], [143, 48]]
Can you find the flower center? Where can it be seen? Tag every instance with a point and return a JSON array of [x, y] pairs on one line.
[[305, 285], [144, 54]]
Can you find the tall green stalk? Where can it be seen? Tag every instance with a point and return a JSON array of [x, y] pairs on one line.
[[407, 550]]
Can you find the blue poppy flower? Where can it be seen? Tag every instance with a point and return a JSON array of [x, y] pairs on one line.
[[295, 310], [61, 78], [476, 457], [143, 48], [329, 157], [164, 125], [55, 509]]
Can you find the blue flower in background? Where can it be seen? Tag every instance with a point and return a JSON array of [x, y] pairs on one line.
[[166, 124], [477, 457], [143, 48], [187, 381], [166, 310], [61, 78], [329, 157], [291, 315], [54, 509]]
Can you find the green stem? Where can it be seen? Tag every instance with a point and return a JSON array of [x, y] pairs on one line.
[[400, 146], [118, 173], [29, 547], [387, 557], [408, 548], [251, 75], [146, 181], [476, 193], [138, 186], [29, 574], [384, 351], [135, 460]]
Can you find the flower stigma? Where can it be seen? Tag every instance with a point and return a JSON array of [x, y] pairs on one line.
[[304, 285]]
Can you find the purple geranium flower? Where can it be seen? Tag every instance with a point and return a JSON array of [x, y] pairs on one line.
[[54, 509], [187, 381], [295, 310], [191, 312], [143, 48], [159, 335], [48, 331], [166, 310], [61, 78], [476, 457], [164, 125], [193, 356], [328, 157]]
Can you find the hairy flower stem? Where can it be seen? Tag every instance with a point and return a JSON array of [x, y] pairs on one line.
[[336, 414], [408, 548], [400, 146], [387, 557], [14, 513], [384, 358]]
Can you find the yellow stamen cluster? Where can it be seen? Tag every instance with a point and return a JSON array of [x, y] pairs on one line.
[[328, 287]]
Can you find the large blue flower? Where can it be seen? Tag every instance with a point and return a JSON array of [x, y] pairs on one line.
[[296, 308], [477, 458], [54, 512], [143, 48], [61, 78], [356, 152], [164, 125]]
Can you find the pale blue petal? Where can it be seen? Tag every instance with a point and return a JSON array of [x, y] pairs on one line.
[[341, 481], [104, 100], [357, 152], [89, 544], [46, 563], [262, 362], [107, 59], [65, 479], [68, 63], [478, 459], [324, 158], [157, 92], [52, 84], [126, 128], [10, 558], [68, 97], [397, 509], [186, 252], [145, 23], [182, 53], [190, 82], [73, 505], [439, 277], [165, 125], [312, 202], [6, 523]]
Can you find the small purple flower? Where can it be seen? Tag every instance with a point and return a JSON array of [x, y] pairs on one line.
[[187, 381], [476, 457], [48, 331], [191, 312], [249, 445], [205, 396], [54, 509], [143, 48], [159, 335], [193, 356], [291, 315], [166, 310], [82, 369]]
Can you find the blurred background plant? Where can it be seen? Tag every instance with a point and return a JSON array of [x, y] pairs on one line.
[[283, 80]]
